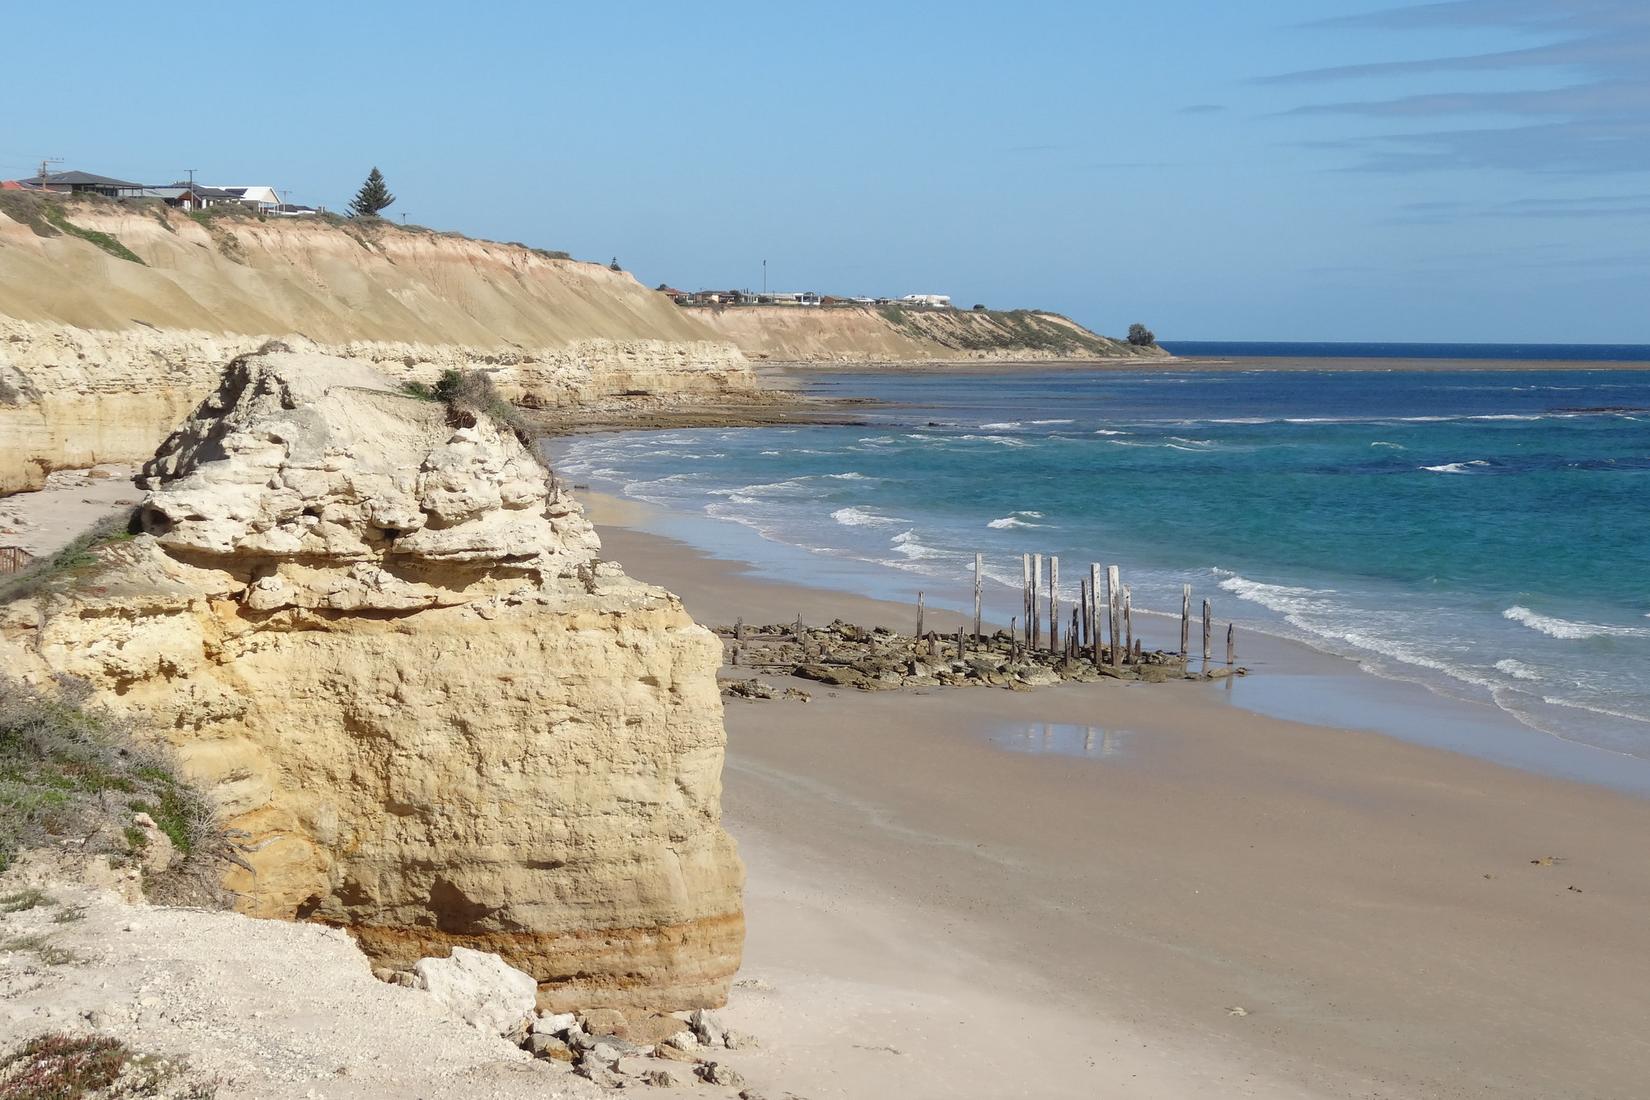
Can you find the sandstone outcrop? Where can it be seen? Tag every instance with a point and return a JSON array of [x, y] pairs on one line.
[[100, 356], [377, 632]]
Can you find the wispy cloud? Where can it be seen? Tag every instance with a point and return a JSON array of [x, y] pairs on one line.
[[1586, 109], [1618, 207]]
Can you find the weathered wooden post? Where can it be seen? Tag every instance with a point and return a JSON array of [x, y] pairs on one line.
[[933, 645], [1025, 589], [739, 630], [1036, 623], [1094, 610], [1073, 646], [1053, 604], [1128, 619], [979, 575], [1083, 613], [1231, 644], [1013, 634], [1208, 627], [919, 614], [959, 643], [1114, 613], [1185, 619], [1136, 651]]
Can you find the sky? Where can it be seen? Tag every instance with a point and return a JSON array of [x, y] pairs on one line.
[[1472, 170]]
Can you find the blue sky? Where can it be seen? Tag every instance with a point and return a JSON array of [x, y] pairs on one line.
[[1472, 170]]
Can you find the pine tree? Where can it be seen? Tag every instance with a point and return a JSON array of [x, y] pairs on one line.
[[372, 197]]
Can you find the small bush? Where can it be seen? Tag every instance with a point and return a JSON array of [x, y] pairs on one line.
[[21, 900], [59, 1066], [68, 769], [1141, 336]]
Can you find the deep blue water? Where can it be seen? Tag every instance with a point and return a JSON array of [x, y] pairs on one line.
[[1535, 353], [1484, 532]]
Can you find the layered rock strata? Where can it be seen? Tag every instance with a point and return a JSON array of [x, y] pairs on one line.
[[72, 397], [381, 637], [101, 356]]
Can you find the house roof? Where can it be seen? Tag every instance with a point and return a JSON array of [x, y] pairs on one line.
[[200, 190], [87, 179]]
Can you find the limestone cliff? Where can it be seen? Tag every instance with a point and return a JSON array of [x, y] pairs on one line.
[[379, 634], [100, 354], [893, 334]]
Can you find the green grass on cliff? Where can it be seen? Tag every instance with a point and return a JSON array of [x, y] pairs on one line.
[[48, 218], [72, 775], [76, 561]]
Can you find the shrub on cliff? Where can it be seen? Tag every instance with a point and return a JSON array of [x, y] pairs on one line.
[[471, 392], [72, 771], [76, 560], [1141, 336]]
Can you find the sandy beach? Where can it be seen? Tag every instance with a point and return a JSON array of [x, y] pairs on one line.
[[1177, 898]]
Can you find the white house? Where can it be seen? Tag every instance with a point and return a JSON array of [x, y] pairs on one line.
[[259, 198], [932, 301]]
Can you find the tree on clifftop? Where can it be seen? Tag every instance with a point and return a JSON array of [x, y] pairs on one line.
[[372, 197], [1141, 336]]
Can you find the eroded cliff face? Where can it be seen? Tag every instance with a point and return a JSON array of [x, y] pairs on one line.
[[380, 635], [896, 334], [101, 356]]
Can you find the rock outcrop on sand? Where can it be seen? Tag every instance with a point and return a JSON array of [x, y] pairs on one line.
[[379, 635], [101, 356]]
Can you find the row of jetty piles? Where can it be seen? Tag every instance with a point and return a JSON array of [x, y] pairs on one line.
[[1095, 641]]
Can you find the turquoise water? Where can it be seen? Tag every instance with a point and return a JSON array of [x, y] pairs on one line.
[[1485, 533]]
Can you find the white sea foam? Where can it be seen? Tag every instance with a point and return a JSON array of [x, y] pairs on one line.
[[1569, 630], [851, 475], [1108, 431], [1008, 522], [1000, 440], [1384, 443], [863, 517], [790, 487], [1518, 670], [1006, 425], [1193, 442], [1287, 599], [1457, 467], [907, 543], [1041, 422]]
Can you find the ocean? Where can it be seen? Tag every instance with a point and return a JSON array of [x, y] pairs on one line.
[[1485, 533]]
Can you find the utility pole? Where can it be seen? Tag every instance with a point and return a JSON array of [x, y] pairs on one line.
[[764, 278], [46, 162]]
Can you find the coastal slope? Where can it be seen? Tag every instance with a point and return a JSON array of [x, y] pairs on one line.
[[115, 319], [891, 334]]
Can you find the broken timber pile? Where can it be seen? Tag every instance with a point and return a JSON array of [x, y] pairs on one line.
[[844, 655]]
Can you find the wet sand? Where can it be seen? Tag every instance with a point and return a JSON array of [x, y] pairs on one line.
[[1190, 900]]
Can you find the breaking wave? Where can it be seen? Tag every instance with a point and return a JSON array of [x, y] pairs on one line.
[[1568, 630]]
